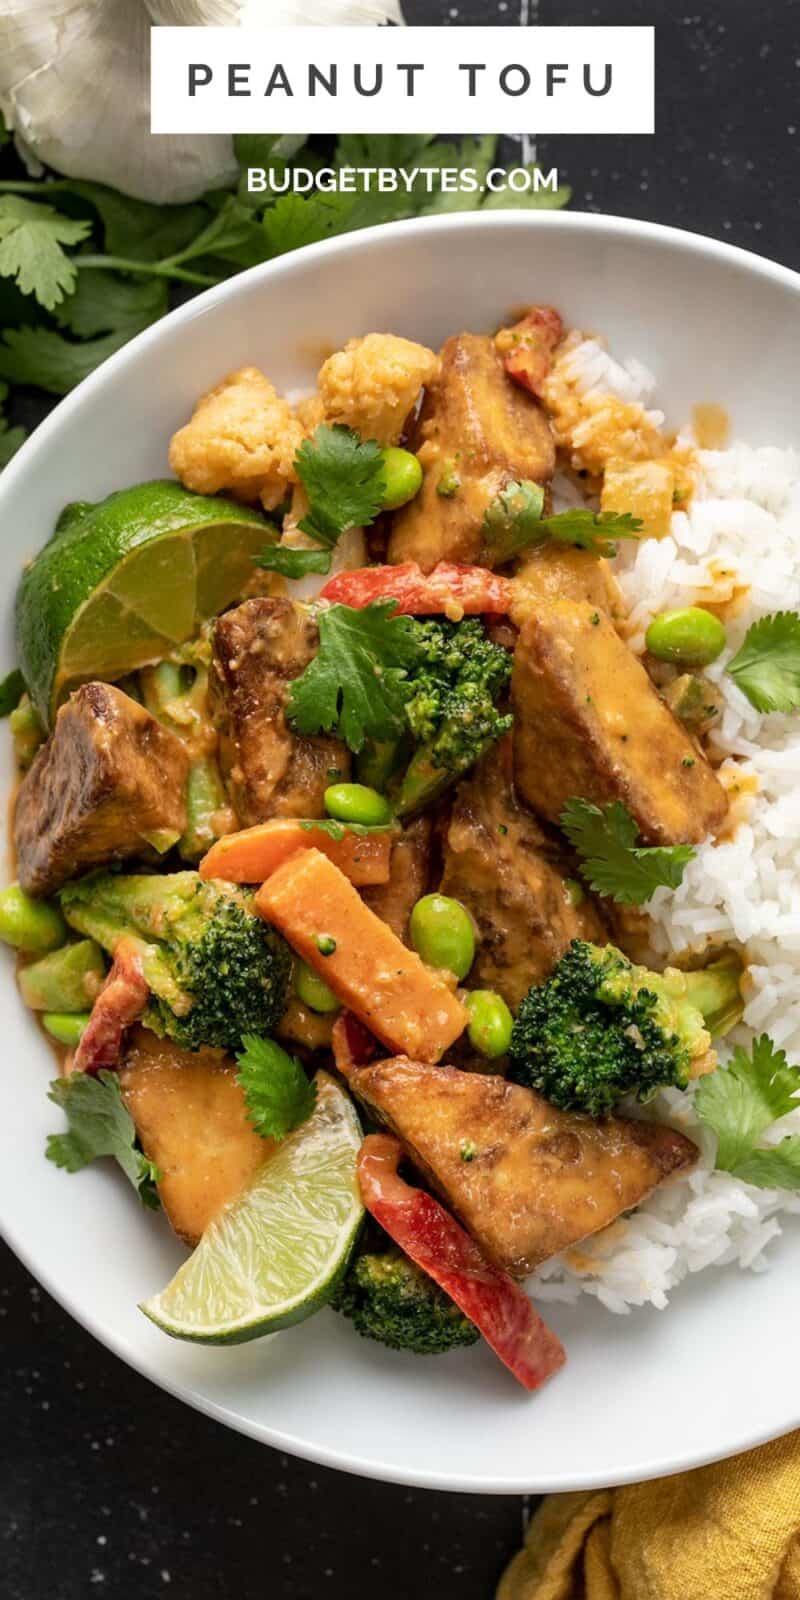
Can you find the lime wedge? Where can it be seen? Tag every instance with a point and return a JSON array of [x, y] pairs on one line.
[[122, 582], [275, 1254]]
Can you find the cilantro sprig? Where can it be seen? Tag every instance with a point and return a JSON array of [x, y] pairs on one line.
[[10, 438], [613, 864], [739, 1102], [343, 476], [293, 562], [277, 1093], [597, 531], [99, 1124], [767, 667], [356, 684]]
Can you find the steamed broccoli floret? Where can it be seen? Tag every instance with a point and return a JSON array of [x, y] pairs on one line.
[[215, 970], [602, 1028], [389, 1299], [451, 711]]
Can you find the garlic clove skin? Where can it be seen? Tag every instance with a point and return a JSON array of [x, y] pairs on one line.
[[75, 86]]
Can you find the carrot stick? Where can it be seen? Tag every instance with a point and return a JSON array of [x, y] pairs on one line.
[[254, 854], [405, 1004]]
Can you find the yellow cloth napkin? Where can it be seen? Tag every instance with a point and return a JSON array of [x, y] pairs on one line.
[[726, 1532]]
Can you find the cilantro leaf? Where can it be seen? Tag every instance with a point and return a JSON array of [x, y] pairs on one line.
[[740, 1101], [356, 683], [31, 240], [592, 530], [277, 1093], [138, 229], [528, 199], [10, 438], [103, 302], [12, 688], [43, 357], [774, 1168], [293, 561], [343, 477], [612, 862], [767, 667], [99, 1125]]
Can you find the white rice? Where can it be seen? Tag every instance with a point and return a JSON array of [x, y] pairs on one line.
[[742, 530]]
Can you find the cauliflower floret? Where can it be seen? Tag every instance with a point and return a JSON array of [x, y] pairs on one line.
[[373, 383], [243, 438], [311, 412]]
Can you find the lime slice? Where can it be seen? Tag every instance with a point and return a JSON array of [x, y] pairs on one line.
[[275, 1254], [122, 582]]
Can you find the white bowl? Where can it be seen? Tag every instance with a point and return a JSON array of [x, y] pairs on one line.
[[641, 1395]]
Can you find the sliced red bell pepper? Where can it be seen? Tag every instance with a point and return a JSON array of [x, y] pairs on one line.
[[353, 1045], [440, 1246], [527, 348], [473, 590], [120, 1003]]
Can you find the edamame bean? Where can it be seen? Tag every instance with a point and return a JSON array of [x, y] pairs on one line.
[[490, 1022], [442, 933], [28, 924], [355, 802], [402, 475], [309, 988], [65, 1026], [691, 637]]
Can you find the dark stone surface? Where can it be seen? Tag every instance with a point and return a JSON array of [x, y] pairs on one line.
[[108, 1486]]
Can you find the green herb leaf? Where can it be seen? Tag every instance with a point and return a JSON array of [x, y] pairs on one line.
[[99, 1125], [528, 199], [592, 530], [43, 357], [291, 561], [740, 1101], [137, 228], [10, 438], [612, 863], [356, 683], [344, 479], [31, 240], [767, 667], [277, 1093], [775, 1168], [12, 688], [103, 302]]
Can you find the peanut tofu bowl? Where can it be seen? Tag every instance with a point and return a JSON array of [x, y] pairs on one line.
[[402, 992]]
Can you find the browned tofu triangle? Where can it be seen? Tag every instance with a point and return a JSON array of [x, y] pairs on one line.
[[191, 1121], [525, 1179]]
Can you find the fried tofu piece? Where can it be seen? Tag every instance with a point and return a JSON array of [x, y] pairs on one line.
[[589, 723], [320, 914], [534, 1179], [242, 438], [374, 383], [507, 872], [562, 572], [109, 782], [191, 1121], [477, 431], [258, 650], [409, 873]]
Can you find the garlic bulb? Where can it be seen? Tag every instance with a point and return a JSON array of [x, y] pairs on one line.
[[75, 86]]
